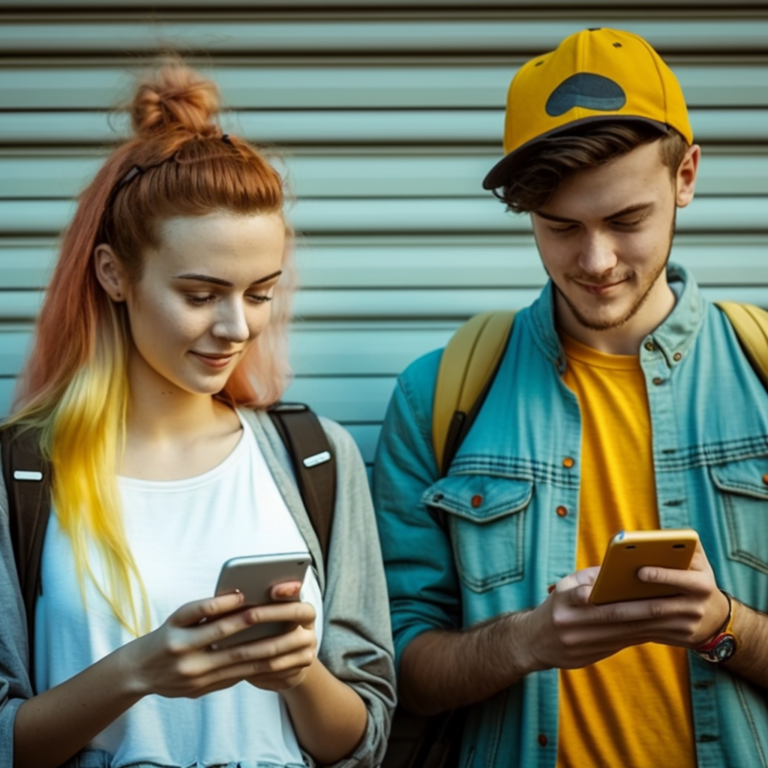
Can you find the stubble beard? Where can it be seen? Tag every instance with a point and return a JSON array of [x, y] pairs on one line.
[[592, 325]]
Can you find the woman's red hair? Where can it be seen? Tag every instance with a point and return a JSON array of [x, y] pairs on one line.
[[187, 168], [75, 387]]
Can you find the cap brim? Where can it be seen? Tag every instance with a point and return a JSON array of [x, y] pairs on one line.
[[499, 175]]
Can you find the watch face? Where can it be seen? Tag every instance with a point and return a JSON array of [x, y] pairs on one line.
[[724, 649], [720, 649]]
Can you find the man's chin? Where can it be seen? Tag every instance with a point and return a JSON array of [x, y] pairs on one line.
[[605, 320]]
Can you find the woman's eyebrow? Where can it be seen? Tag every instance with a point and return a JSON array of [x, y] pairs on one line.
[[218, 281]]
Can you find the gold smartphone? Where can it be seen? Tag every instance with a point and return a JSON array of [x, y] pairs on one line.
[[628, 551]]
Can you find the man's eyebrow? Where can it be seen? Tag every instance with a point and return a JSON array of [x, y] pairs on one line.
[[552, 217], [636, 208], [218, 281]]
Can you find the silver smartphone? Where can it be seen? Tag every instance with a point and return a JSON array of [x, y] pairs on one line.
[[255, 576]]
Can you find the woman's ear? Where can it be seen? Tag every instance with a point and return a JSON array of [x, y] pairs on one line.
[[110, 272]]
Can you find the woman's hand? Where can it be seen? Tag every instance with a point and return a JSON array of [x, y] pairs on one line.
[[284, 660], [178, 660]]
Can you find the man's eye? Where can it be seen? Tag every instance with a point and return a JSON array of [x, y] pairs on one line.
[[627, 224], [562, 230]]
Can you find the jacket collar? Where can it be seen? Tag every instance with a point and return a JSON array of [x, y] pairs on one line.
[[673, 336]]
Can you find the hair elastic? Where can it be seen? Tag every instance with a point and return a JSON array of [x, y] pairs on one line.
[[138, 170]]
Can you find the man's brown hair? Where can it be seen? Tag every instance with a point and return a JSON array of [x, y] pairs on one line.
[[534, 180]]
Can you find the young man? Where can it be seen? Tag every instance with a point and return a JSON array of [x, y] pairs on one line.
[[623, 402]]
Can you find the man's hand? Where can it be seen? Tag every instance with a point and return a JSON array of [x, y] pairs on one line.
[[441, 670], [567, 631]]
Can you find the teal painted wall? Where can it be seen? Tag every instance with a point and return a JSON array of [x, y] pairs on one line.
[[388, 115]]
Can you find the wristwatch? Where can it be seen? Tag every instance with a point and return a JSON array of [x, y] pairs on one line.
[[723, 645]]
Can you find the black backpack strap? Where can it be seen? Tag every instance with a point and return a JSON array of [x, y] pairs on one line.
[[313, 462], [425, 741], [28, 483]]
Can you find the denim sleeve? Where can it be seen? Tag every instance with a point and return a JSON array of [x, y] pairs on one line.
[[15, 685], [421, 576]]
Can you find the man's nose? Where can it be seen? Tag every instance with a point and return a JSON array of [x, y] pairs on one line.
[[597, 256]]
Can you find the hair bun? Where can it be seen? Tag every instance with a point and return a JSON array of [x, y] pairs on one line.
[[176, 98]]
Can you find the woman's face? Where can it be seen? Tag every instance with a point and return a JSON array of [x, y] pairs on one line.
[[203, 296]]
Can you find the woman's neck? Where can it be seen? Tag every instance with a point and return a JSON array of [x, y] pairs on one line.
[[171, 433]]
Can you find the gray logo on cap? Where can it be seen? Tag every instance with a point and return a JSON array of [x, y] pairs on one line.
[[588, 91]]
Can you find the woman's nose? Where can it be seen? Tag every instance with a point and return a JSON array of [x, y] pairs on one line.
[[231, 323]]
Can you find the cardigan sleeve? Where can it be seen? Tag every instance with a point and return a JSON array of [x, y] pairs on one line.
[[15, 685], [357, 635]]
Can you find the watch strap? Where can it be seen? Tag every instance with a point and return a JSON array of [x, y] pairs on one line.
[[723, 644]]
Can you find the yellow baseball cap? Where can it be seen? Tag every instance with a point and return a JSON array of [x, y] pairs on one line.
[[593, 75]]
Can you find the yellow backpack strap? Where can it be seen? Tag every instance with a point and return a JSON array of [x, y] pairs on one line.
[[751, 326], [467, 369]]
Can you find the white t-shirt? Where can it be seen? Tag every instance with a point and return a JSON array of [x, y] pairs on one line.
[[180, 532]]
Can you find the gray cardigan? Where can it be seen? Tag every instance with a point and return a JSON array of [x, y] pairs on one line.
[[357, 642]]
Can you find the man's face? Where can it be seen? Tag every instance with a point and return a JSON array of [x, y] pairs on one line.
[[605, 237]]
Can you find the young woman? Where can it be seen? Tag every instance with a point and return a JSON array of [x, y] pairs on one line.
[[157, 350]]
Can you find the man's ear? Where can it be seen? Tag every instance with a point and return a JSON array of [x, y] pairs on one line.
[[685, 181], [110, 272]]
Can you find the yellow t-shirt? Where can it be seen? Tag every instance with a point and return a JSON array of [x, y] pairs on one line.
[[633, 708]]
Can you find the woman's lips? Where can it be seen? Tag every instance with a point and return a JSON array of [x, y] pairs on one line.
[[214, 361]]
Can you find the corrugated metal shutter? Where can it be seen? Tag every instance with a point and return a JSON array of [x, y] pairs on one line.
[[388, 115]]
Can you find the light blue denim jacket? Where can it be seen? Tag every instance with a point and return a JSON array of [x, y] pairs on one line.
[[468, 563]]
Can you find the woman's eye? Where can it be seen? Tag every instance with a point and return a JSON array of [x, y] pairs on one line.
[[260, 298], [197, 300]]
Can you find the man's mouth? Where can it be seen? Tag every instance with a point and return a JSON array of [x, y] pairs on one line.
[[602, 288]]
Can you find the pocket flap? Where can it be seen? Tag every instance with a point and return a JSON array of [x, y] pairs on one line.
[[479, 498], [748, 477]]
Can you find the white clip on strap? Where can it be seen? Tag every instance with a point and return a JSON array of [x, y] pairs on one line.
[[318, 458], [22, 474]]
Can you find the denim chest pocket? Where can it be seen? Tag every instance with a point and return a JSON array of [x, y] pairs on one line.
[[743, 490], [486, 521]]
